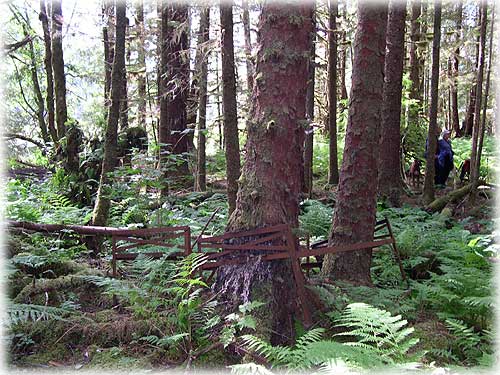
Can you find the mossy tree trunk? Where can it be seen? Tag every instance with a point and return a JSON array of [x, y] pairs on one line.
[[108, 34], [231, 139], [248, 47], [48, 70], [354, 216], [203, 38], [272, 174], [333, 167], [389, 177], [58, 68], [101, 209], [433, 133], [309, 142]]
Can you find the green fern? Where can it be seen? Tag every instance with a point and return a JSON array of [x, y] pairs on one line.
[[21, 313]]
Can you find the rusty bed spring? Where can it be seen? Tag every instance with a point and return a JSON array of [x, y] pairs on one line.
[[273, 243]]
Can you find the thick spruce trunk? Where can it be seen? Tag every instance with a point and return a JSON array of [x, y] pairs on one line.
[[433, 133], [389, 177], [48, 71], [309, 142], [354, 216], [333, 167], [203, 38], [231, 139], [102, 204], [58, 68], [271, 179]]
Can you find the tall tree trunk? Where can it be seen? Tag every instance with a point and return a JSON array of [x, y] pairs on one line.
[[487, 89], [479, 91], [124, 103], [309, 142], [231, 139], [454, 82], [101, 209], [163, 129], [40, 106], [333, 167], [271, 180], [219, 109], [141, 59], [343, 59], [415, 63], [58, 68], [389, 176], [428, 193], [469, 115], [203, 38], [174, 90], [354, 217], [248, 48], [108, 33], [48, 71]]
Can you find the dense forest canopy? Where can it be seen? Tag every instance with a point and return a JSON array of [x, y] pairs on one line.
[[250, 185]]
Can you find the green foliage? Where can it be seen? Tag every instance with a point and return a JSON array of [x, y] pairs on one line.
[[21, 313], [315, 218]]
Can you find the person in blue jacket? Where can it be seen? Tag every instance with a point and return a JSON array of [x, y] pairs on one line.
[[444, 159]]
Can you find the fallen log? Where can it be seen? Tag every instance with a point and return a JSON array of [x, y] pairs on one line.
[[438, 204], [80, 229]]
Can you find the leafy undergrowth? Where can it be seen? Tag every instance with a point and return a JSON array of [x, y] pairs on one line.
[[65, 310]]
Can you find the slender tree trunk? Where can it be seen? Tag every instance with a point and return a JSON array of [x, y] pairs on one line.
[[333, 170], [229, 104], [40, 107], [108, 33], [48, 71], [487, 89], [163, 129], [203, 38], [454, 82], [248, 47], [343, 59], [433, 127], [219, 109], [271, 180], [141, 57], [58, 68], [309, 142], [389, 176], [102, 204], [479, 91], [415, 63], [354, 217], [469, 115]]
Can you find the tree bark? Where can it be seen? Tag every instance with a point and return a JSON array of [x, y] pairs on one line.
[[102, 205], [40, 107], [203, 38], [272, 174], [231, 139], [354, 217], [333, 167], [174, 91], [454, 82], [415, 63], [141, 77], [108, 33], [58, 68], [432, 135], [248, 48], [390, 185], [309, 142], [48, 71], [475, 162]]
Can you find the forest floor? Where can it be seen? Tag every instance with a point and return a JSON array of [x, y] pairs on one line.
[[66, 312]]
